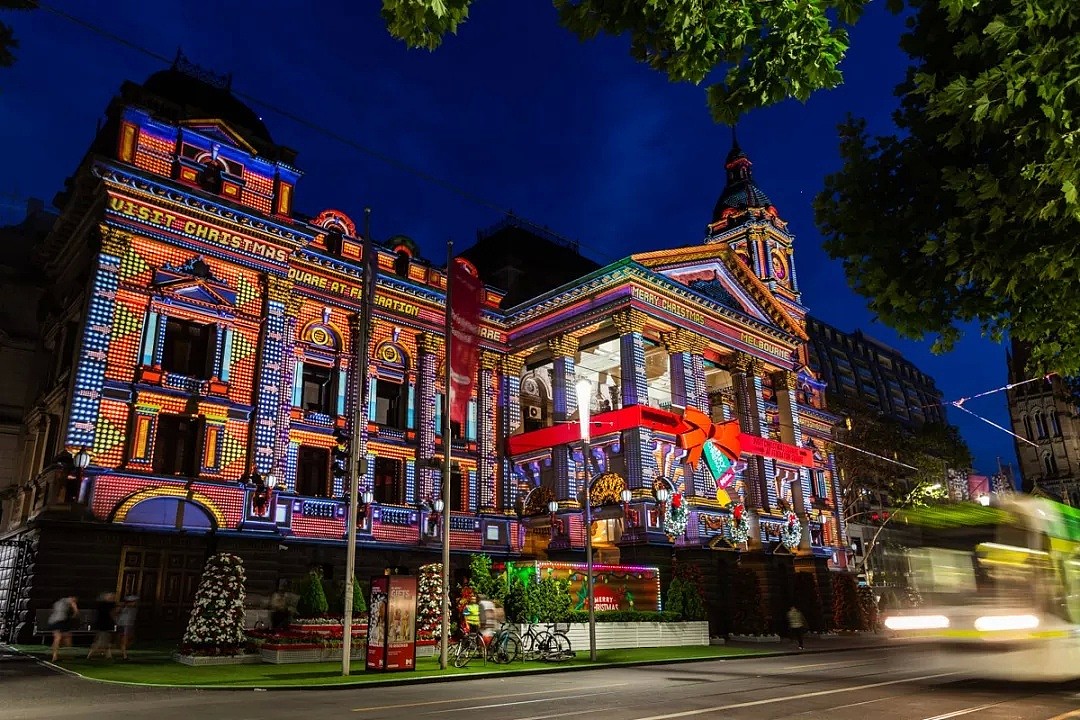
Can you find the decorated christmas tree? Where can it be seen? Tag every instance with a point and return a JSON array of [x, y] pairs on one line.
[[429, 602], [869, 608], [847, 614], [748, 614], [216, 626]]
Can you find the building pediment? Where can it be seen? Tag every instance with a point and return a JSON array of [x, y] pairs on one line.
[[193, 281], [715, 272]]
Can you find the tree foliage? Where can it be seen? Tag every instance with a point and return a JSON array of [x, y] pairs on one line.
[[931, 449], [686, 592], [312, 602], [8, 43], [747, 611], [765, 51], [847, 610], [970, 212]]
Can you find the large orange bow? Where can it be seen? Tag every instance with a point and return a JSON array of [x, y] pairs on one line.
[[701, 429]]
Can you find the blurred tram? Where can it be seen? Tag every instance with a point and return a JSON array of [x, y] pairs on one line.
[[998, 588]]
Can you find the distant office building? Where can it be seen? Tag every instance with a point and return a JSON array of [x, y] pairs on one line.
[[526, 260], [23, 286], [856, 366], [1043, 414]]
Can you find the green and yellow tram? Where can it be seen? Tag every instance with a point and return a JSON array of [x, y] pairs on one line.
[[999, 588]]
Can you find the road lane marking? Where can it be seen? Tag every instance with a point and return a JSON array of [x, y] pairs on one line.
[[965, 711], [825, 664], [553, 699], [478, 697], [851, 705], [789, 698], [1063, 716], [566, 714]]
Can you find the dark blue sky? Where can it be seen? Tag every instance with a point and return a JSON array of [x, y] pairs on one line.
[[574, 136]]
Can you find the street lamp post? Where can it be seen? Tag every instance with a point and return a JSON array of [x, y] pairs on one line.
[[553, 507], [626, 496], [584, 397], [81, 461]]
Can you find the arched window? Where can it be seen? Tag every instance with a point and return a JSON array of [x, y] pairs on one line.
[[1050, 463], [1055, 425], [320, 384], [401, 264], [1040, 424], [391, 395], [1027, 428]]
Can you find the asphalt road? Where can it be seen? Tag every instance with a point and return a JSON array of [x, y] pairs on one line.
[[860, 684]]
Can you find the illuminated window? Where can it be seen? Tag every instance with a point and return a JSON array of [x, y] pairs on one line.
[[391, 404], [317, 394], [1055, 424], [189, 348], [176, 445], [1040, 424], [312, 471], [389, 481]]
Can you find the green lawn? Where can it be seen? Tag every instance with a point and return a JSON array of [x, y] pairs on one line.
[[156, 667]]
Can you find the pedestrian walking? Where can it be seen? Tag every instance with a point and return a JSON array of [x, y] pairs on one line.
[[125, 622], [797, 624], [62, 620], [104, 626]]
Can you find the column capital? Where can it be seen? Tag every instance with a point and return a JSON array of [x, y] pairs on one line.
[[744, 363], [676, 341], [489, 360], [278, 289], [785, 380], [429, 343], [113, 241], [563, 346], [513, 365], [698, 343], [629, 321]]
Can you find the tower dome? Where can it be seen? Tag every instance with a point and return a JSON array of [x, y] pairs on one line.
[[740, 194]]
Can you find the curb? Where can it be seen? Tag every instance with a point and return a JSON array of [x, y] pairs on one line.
[[433, 679]]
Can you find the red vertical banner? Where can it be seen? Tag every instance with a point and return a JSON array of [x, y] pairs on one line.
[[376, 635], [465, 297], [401, 623]]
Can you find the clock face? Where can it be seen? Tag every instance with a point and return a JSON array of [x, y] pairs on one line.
[[778, 267]]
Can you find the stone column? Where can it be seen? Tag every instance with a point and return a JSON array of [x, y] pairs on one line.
[[637, 442], [563, 350], [785, 384], [700, 400], [750, 410], [89, 370], [428, 348], [286, 372], [487, 456], [684, 394], [266, 386], [509, 423]]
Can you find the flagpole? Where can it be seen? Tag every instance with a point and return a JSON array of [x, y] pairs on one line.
[[358, 463], [447, 459]]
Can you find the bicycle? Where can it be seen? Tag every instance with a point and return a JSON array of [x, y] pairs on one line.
[[555, 645], [503, 647]]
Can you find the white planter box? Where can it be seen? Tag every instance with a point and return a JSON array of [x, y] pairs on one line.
[[199, 660], [428, 650], [611, 636], [308, 655]]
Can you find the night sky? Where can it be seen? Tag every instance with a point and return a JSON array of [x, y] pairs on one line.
[[514, 110]]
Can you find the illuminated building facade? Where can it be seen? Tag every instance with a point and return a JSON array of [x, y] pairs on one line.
[[215, 350]]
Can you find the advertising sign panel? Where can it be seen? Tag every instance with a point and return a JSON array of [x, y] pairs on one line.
[[615, 587], [392, 623]]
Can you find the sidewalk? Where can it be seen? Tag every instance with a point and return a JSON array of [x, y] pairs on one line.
[[156, 668]]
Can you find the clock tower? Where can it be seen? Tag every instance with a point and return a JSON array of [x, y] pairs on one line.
[[745, 220]]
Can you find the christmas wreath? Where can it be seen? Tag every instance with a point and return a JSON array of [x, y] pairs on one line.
[[791, 532], [740, 527], [676, 518]]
